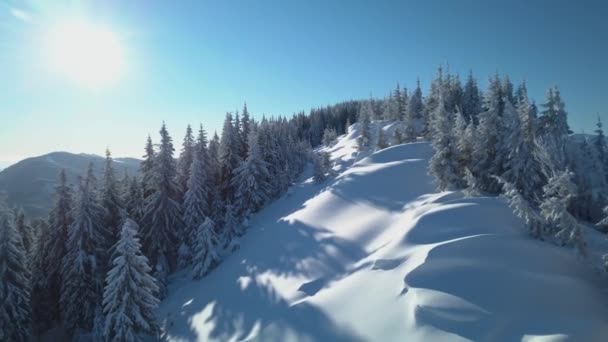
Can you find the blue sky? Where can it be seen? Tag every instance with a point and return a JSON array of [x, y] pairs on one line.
[[191, 61]]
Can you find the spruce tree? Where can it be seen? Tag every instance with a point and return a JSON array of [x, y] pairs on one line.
[[381, 142], [471, 105], [83, 266], [195, 207], [205, 253], [414, 112], [214, 180], [229, 158], [364, 139], [162, 221], [15, 312], [129, 297], [185, 161], [251, 180], [147, 169], [59, 222], [245, 129], [134, 204], [443, 165], [24, 229], [231, 228], [111, 201]]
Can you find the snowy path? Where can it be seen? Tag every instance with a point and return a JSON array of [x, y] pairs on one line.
[[376, 255]]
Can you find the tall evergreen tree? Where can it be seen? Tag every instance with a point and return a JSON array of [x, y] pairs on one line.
[[129, 297], [162, 223], [443, 165], [381, 141], [24, 229], [205, 253], [471, 102], [111, 201], [415, 109], [134, 203], [245, 129], [60, 221], [364, 139], [251, 180], [185, 161], [43, 314], [15, 313], [229, 158], [195, 207], [83, 267], [214, 180], [147, 169]]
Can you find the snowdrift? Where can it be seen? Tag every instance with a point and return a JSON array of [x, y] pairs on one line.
[[377, 255]]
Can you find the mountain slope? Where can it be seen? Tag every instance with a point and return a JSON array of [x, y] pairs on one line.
[[378, 255], [30, 183]]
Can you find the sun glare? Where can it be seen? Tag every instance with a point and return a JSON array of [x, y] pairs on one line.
[[85, 53]]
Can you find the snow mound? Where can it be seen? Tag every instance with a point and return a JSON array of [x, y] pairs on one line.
[[378, 255]]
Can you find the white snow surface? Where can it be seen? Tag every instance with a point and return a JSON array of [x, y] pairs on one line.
[[376, 254]]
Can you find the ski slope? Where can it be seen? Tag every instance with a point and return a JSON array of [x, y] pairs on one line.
[[376, 254]]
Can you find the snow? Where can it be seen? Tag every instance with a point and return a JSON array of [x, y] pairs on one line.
[[377, 255]]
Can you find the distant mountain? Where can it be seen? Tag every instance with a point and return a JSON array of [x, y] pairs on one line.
[[30, 183]]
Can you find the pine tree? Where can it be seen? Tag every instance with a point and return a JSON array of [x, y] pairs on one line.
[[553, 130], [523, 209], [59, 222], [111, 201], [162, 221], [471, 105], [15, 313], [129, 299], [521, 168], [147, 169], [489, 148], [205, 253], [381, 142], [414, 112], [215, 198], [364, 139], [432, 102], [443, 165], [184, 162], [42, 318], [398, 137], [245, 129], [554, 209], [465, 138], [195, 207], [231, 228], [24, 230], [321, 165], [229, 158], [134, 204], [251, 180], [601, 147], [83, 267]]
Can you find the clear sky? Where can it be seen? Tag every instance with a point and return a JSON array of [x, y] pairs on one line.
[[191, 61]]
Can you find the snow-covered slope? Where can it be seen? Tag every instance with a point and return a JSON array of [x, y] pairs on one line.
[[377, 255]]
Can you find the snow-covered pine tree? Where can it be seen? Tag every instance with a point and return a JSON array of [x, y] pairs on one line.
[[489, 151], [134, 204], [381, 141], [443, 165], [553, 127], [245, 129], [147, 169], [129, 297], [251, 180], [15, 312], [471, 101], [83, 266], [601, 147], [205, 253], [195, 207], [229, 158], [329, 136], [111, 202], [365, 135], [320, 166], [59, 222], [398, 136], [162, 221], [432, 101], [453, 93], [465, 137], [523, 208], [521, 168], [24, 229], [554, 209], [184, 162], [42, 318], [231, 228], [414, 112], [216, 204]]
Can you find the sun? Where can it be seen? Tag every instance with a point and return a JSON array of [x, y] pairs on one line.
[[87, 54]]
